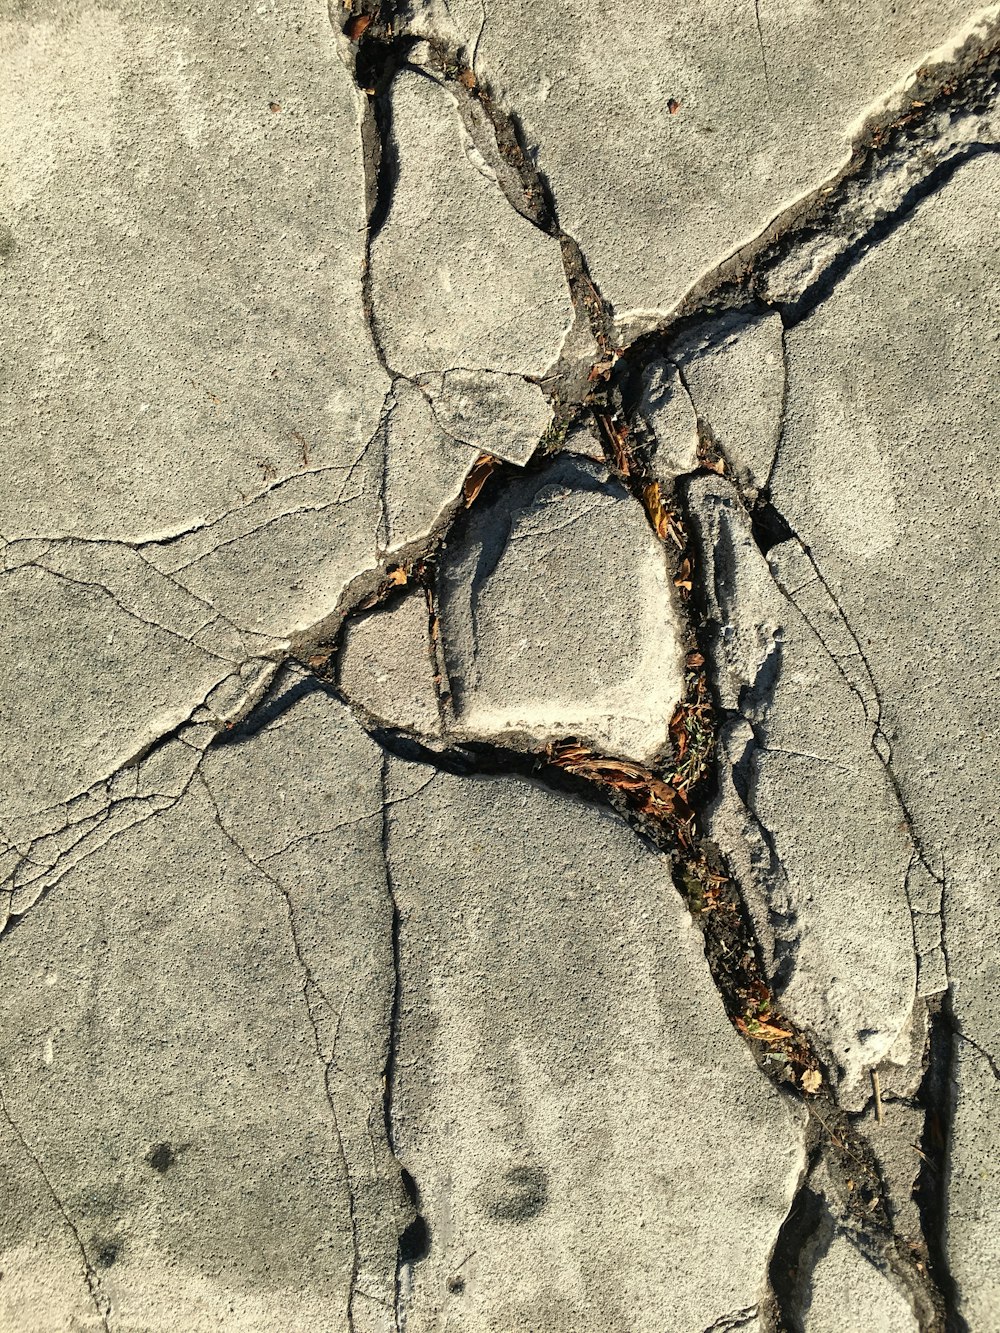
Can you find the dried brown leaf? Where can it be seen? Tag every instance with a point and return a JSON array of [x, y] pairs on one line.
[[480, 472], [356, 27], [761, 1031], [398, 576], [658, 512], [811, 1080]]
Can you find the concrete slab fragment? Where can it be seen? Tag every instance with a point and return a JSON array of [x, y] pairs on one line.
[[885, 471], [557, 616], [807, 816], [460, 281], [387, 666], [666, 158]]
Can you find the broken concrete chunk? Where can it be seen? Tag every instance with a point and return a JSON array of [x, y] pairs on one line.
[[387, 668], [885, 472], [557, 616], [563, 1059], [460, 281], [666, 159], [667, 406], [425, 465], [809, 818], [733, 368], [974, 1150], [500, 414]]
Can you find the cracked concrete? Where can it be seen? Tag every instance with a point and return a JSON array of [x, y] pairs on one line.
[[498, 634]]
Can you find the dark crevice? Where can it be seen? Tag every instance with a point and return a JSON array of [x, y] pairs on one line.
[[935, 1097], [414, 1236], [790, 1272]]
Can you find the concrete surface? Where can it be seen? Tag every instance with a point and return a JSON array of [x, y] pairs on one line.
[[334, 467], [563, 1063], [710, 119], [387, 665], [885, 472], [540, 639]]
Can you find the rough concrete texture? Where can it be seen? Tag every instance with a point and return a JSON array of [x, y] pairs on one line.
[[735, 123], [387, 665], [845, 1283], [497, 668], [884, 471], [463, 287], [805, 803], [540, 639], [540, 1105]]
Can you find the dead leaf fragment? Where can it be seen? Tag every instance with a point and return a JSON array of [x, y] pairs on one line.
[[467, 79], [398, 576], [753, 1027], [811, 1080], [356, 27], [480, 472], [658, 513]]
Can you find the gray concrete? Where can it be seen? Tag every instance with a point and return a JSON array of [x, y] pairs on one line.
[[564, 1066], [885, 470], [711, 121], [846, 1289], [540, 639], [387, 665], [320, 1013], [806, 813], [195, 1041], [460, 281]]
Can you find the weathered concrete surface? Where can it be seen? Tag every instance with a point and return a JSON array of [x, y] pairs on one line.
[[669, 142], [557, 616], [806, 814], [846, 1289], [259, 324], [461, 282], [187, 1043], [161, 172], [885, 471], [387, 665], [563, 1064]]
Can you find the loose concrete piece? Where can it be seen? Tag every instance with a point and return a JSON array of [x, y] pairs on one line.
[[542, 641], [357, 554], [387, 665], [806, 812], [469, 297]]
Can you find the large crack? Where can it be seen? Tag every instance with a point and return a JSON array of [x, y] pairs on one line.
[[938, 97], [699, 867]]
